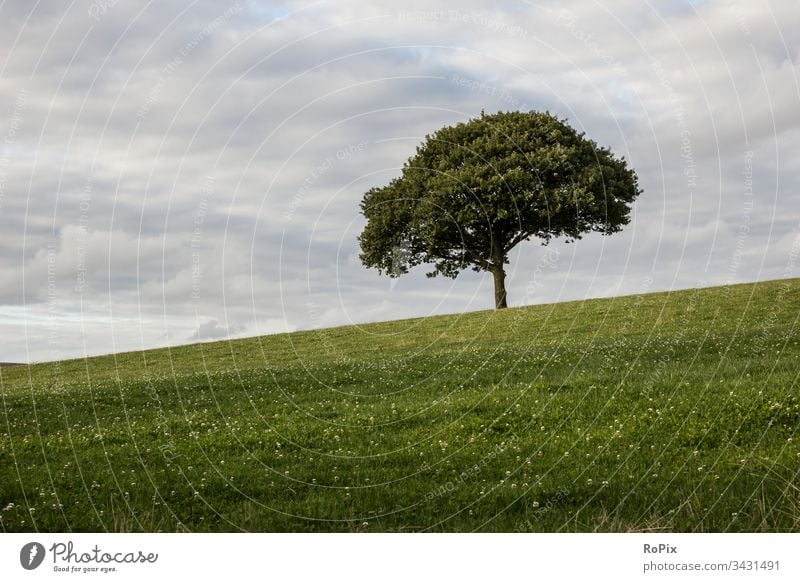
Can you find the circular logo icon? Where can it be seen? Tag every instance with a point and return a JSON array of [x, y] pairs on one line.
[[31, 555]]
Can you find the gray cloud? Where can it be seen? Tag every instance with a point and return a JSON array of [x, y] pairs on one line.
[[212, 330]]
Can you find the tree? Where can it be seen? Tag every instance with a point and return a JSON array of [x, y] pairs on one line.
[[475, 190]]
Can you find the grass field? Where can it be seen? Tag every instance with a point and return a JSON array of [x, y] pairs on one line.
[[668, 411]]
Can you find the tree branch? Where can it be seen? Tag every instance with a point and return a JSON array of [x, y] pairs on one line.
[[516, 240]]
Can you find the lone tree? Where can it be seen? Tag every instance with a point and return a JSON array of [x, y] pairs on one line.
[[475, 190]]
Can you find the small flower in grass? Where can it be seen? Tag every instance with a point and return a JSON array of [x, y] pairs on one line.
[[535, 504], [589, 481]]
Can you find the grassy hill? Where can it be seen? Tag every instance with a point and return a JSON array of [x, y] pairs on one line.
[[668, 411]]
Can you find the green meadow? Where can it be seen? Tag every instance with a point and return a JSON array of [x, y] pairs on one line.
[[660, 412]]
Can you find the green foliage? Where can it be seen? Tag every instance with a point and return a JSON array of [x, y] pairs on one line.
[[475, 190], [661, 412]]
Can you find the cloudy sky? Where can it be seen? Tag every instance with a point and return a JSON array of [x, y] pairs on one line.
[[180, 171]]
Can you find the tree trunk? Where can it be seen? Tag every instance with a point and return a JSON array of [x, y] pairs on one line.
[[499, 274]]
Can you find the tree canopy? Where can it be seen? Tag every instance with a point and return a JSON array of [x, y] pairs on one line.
[[475, 190]]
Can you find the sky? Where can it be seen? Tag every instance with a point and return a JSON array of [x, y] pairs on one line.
[[174, 172]]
